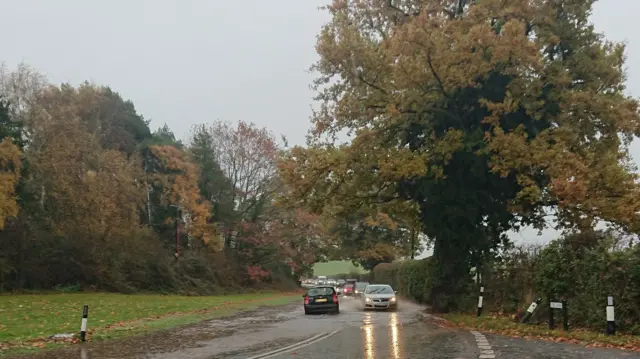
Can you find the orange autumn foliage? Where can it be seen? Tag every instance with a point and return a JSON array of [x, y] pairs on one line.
[[10, 165], [180, 183]]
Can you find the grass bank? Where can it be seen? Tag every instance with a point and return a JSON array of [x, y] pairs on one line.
[[27, 321], [508, 327], [336, 267]]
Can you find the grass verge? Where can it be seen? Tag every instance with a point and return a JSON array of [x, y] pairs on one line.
[[336, 267], [508, 327], [27, 321]]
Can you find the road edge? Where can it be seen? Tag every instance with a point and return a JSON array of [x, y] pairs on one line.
[[486, 352]]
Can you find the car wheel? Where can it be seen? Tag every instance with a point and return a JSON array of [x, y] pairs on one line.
[[306, 311], [337, 311]]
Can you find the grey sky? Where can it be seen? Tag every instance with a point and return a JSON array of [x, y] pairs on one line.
[[192, 61]]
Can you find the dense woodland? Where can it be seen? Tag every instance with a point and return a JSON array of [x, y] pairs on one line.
[[92, 197]]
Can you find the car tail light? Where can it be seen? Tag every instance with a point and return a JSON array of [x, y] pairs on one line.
[[306, 299], [335, 298]]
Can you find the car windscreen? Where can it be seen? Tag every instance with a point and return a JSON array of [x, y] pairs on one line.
[[361, 285], [320, 291], [379, 290]]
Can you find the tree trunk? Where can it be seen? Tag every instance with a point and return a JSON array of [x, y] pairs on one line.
[[450, 273]]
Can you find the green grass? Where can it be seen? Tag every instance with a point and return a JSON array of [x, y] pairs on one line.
[[26, 321], [507, 326], [336, 267]]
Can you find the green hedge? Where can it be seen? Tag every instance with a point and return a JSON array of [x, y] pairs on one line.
[[582, 268], [411, 278]]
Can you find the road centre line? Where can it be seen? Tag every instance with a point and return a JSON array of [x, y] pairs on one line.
[[298, 345], [483, 344]]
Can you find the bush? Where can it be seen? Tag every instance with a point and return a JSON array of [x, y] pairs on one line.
[[583, 268], [411, 278]]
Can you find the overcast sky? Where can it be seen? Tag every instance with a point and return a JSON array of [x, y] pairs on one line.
[[191, 61]]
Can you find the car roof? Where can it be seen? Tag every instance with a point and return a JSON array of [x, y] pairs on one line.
[[379, 285]]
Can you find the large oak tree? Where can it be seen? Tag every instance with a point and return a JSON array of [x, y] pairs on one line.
[[488, 115]]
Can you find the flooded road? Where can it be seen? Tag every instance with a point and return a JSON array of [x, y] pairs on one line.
[[286, 332]]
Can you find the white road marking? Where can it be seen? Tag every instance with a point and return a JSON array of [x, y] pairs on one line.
[[298, 345], [483, 345]]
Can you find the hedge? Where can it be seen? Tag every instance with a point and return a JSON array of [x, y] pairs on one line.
[[411, 278], [582, 268]]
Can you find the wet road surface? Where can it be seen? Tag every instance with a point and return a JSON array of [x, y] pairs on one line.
[[266, 332]]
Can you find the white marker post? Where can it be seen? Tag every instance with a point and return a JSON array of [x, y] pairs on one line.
[[611, 317], [530, 311], [480, 298], [83, 326]]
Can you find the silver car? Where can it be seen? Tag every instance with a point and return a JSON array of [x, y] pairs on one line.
[[379, 296]]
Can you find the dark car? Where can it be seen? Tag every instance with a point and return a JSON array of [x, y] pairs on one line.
[[359, 288], [321, 299]]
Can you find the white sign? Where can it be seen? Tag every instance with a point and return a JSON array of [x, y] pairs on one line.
[[532, 307], [555, 305]]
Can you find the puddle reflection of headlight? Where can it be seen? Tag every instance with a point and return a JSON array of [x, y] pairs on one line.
[[395, 343], [369, 343]]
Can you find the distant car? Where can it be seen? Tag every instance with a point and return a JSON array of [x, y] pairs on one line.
[[359, 288], [379, 296], [321, 299], [347, 289], [341, 282]]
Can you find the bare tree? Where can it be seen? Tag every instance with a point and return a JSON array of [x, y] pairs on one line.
[[20, 88], [247, 156]]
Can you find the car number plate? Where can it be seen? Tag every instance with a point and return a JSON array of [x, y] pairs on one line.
[[321, 300]]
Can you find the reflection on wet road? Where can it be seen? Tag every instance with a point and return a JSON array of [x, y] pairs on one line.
[[370, 348], [389, 335]]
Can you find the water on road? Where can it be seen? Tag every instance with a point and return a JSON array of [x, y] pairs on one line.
[[286, 332]]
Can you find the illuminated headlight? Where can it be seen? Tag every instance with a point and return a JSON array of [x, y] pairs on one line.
[[356, 292], [392, 300], [368, 300]]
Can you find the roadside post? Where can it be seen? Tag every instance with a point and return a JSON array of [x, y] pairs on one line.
[[480, 298], [565, 313], [611, 317], [83, 325], [530, 310]]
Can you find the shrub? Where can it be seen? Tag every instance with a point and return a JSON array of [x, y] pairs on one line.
[[411, 278]]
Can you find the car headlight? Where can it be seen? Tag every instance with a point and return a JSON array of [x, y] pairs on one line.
[[356, 292], [368, 300], [393, 299]]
